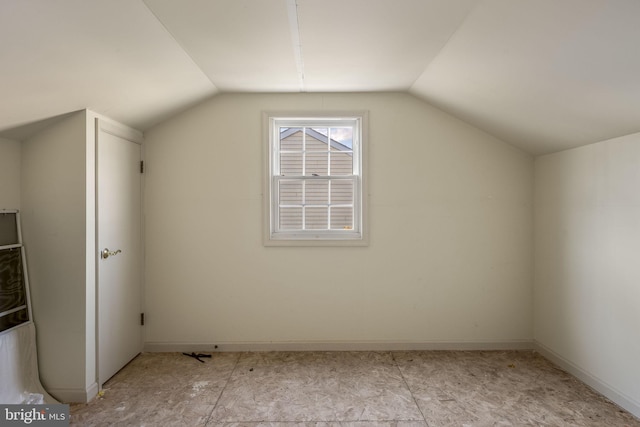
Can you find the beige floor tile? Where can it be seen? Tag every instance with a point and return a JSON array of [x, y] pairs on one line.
[[502, 388], [384, 424], [348, 389], [274, 424], [139, 407], [169, 370], [316, 387]]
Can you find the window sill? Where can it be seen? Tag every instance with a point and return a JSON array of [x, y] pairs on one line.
[[320, 242]]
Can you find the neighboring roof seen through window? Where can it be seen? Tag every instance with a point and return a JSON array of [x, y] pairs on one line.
[[341, 138]]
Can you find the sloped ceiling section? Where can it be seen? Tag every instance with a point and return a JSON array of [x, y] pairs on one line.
[[311, 45], [543, 75], [112, 56], [240, 45]]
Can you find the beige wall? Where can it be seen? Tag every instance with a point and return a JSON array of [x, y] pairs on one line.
[[587, 272], [9, 174], [450, 214], [54, 218]]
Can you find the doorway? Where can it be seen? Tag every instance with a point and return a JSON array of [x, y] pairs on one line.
[[119, 243]]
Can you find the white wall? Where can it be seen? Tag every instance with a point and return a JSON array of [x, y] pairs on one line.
[[450, 258], [54, 217], [587, 270], [9, 174]]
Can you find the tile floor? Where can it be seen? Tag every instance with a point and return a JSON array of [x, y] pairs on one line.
[[354, 389]]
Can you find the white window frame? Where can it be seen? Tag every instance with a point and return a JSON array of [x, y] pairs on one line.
[[272, 122]]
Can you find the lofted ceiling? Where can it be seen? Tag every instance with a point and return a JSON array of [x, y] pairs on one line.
[[543, 75]]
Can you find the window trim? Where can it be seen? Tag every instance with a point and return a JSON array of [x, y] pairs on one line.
[[359, 237]]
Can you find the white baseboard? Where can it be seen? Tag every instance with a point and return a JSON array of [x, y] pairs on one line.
[[595, 383], [66, 395], [157, 347]]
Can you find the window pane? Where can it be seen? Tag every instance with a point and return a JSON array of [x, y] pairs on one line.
[[290, 192], [317, 192], [317, 163], [343, 137], [342, 218], [341, 192], [341, 163], [291, 164], [316, 218], [8, 229], [317, 139], [290, 218], [290, 139]]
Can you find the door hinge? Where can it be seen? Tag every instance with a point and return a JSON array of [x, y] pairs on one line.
[[142, 319], [141, 166]]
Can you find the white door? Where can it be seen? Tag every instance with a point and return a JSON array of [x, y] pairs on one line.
[[119, 243]]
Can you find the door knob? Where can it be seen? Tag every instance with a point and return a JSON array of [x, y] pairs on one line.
[[106, 253]]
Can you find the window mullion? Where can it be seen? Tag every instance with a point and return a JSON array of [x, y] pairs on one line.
[[304, 151], [329, 205], [275, 163], [275, 200], [329, 178], [329, 151], [304, 181], [304, 203]]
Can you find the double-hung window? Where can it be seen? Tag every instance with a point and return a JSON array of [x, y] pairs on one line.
[[315, 180]]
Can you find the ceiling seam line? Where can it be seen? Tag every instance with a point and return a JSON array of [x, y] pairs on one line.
[[294, 29]]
